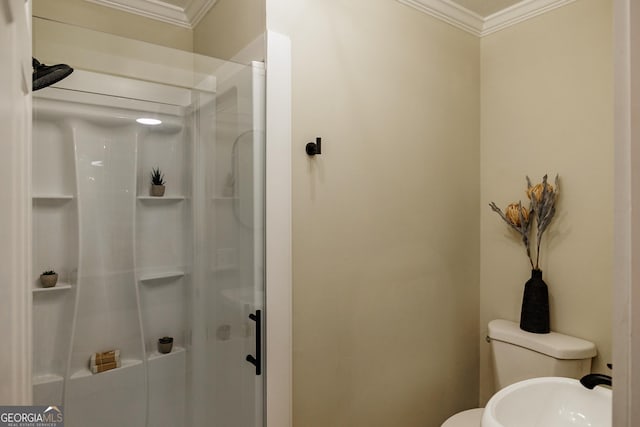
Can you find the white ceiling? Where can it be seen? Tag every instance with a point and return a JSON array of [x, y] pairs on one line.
[[485, 8]]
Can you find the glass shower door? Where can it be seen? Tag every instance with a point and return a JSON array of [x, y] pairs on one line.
[[135, 268], [230, 253]]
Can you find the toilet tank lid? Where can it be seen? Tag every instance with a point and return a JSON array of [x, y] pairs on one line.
[[552, 344]]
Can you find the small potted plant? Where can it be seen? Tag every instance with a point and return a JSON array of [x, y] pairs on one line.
[[48, 278], [157, 182], [165, 344]]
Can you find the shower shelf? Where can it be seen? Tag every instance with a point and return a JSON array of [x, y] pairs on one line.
[[161, 199], [159, 276], [85, 372], [46, 379], [52, 197], [58, 287], [225, 268], [154, 355]]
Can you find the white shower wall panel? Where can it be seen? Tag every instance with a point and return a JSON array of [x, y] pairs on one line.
[[52, 315], [53, 166], [125, 258], [167, 384], [55, 247], [163, 303], [113, 398], [55, 238], [107, 315], [167, 149], [160, 235], [186, 265]]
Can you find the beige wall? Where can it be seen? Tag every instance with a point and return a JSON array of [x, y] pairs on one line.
[[89, 15], [385, 221], [228, 27], [547, 107]]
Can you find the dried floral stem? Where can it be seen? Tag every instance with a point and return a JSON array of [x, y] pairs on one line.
[[522, 229], [542, 206]]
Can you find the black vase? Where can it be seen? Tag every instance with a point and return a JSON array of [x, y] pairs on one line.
[[535, 305]]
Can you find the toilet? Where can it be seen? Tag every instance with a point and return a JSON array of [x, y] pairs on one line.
[[519, 355]]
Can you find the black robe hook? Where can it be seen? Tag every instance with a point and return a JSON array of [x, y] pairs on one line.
[[314, 148]]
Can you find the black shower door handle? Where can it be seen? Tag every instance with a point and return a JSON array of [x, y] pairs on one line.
[[257, 361]]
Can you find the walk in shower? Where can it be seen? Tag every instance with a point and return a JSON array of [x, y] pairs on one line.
[[132, 267]]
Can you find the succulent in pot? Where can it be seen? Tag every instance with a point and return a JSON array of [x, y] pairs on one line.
[[157, 182], [48, 278]]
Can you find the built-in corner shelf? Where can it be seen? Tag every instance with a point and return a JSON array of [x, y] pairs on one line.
[[46, 379], [154, 355], [52, 197], [152, 277], [225, 268], [85, 372], [161, 199], [56, 288]]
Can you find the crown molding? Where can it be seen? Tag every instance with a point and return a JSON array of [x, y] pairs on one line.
[[471, 22], [450, 13], [519, 12], [186, 17]]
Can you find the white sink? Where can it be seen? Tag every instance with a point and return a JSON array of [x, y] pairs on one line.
[[549, 402]]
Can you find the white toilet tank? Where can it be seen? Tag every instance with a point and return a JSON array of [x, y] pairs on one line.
[[520, 355]]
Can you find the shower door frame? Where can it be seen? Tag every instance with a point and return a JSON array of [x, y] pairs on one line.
[[278, 234], [626, 302], [15, 217]]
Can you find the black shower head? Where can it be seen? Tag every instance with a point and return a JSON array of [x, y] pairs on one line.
[[46, 75]]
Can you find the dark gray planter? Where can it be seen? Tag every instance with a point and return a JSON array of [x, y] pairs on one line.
[[165, 344]]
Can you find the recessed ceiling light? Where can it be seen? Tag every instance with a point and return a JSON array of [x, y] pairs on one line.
[[148, 121]]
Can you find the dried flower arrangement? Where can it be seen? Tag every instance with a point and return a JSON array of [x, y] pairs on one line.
[[543, 197]]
